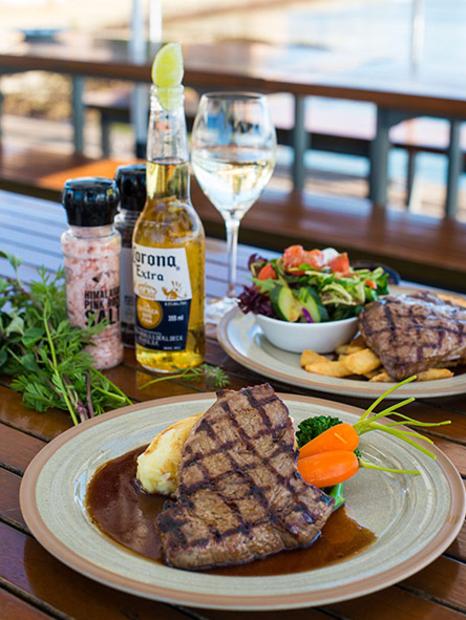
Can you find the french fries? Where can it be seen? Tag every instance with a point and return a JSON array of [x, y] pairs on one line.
[[329, 368], [352, 347], [381, 377], [355, 358], [362, 362], [434, 373], [311, 357]]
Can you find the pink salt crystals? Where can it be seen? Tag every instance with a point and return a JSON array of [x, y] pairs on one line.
[[92, 249]]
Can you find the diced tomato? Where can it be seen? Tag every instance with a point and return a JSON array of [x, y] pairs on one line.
[[296, 255], [340, 264], [267, 272], [370, 284], [293, 255]]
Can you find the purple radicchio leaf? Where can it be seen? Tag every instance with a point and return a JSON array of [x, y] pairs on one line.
[[252, 300]]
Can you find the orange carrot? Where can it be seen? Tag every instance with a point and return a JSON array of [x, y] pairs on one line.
[[328, 468], [339, 437]]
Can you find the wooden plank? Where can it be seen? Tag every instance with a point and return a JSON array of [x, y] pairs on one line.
[[42, 425], [17, 449], [25, 565], [292, 614], [458, 547], [14, 608], [129, 381], [444, 580], [450, 403], [455, 452], [393, 603], [9, 498]]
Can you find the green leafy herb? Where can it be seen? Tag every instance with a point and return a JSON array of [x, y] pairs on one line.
[[212, 375], [45, 353]]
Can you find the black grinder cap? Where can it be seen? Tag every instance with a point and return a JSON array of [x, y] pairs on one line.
[[131, 181], [90, 201]]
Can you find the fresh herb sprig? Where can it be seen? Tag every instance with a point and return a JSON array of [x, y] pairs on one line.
[[212, 375], [45, 353]]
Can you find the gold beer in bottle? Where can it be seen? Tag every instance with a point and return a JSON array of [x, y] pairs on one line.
[[168, 247]]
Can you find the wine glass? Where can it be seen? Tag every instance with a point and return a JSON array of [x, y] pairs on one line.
[[233, 157]]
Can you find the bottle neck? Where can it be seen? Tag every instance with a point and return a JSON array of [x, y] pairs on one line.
[[167, 146], [128, 215]]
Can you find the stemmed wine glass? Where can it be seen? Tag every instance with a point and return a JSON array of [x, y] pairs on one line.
[[233, 157]]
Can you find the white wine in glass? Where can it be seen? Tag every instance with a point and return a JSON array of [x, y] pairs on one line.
[[233, 157]]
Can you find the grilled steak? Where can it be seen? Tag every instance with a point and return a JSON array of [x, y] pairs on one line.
[[240, 496], [410, 333]]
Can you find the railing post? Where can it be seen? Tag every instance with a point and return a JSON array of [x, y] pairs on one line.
[[139, 114], [455, 161], [379, 151], [410, 175], [301, 142], [77, 112]]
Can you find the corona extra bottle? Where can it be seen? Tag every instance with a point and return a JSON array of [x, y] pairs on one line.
[[168, 244]]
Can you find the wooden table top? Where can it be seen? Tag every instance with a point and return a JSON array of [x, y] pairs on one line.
[[34, 585], [237, 65]]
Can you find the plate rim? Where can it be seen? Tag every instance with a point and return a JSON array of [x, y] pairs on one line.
[[312, 383], [28, 504]]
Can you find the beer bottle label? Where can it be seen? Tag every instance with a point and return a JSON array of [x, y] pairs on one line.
[[163, 295]]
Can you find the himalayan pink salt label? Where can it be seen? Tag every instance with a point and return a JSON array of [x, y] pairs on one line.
[[93, 296], [102, 305]]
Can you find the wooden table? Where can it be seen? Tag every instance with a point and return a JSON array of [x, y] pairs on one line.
[[34, 585], [298, 70]]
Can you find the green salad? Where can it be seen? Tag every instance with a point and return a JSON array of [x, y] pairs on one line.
[[310, 286]]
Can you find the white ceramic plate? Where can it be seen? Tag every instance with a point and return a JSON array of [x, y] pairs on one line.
[[414, 518], [242, 338]]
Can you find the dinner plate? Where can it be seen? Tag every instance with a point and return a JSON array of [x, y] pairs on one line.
[[242, 338], [414, 518]]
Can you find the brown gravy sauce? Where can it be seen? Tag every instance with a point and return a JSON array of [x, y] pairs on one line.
[[126, 514]]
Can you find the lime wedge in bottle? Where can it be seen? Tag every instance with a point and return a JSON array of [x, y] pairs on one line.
[[167, 68]]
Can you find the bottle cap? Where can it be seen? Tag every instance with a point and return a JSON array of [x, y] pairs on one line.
[[90, 201], [131, 181]]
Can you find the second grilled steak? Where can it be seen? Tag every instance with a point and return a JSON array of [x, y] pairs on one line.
[[411, 333], [240, 496]]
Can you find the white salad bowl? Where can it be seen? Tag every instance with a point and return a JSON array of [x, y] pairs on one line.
[[319, 337]]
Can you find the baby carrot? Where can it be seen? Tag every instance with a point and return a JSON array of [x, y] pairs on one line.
[[339, 437], [328, 468]]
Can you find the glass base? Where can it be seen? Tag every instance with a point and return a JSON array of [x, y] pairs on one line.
[[216, 309]]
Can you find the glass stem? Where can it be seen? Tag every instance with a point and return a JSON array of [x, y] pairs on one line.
[[232, 228]]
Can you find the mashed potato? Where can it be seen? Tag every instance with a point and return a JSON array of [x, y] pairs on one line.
[[157, 469]]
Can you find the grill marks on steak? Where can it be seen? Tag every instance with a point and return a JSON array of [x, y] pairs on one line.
[[240, 497], [411, 333]]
